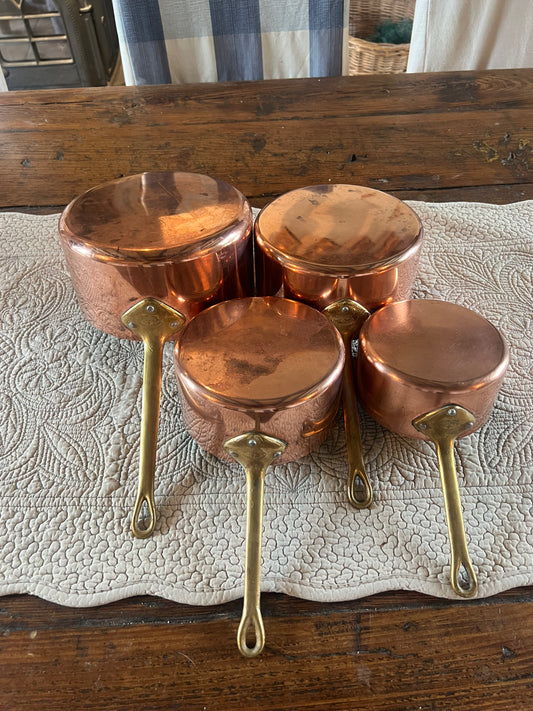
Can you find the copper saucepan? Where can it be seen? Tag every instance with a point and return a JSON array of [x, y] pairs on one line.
[[431, 369], [347, 250], [259, 378], [145, 254]]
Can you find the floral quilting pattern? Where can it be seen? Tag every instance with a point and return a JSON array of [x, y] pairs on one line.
[[70, 404]]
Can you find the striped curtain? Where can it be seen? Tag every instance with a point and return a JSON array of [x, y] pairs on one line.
[[174, 41]]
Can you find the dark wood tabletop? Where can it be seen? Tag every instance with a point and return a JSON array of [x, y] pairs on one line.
[[438, 137]]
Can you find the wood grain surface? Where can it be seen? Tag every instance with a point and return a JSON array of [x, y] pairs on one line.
[[436, 133], [452, 136], [392, 651]]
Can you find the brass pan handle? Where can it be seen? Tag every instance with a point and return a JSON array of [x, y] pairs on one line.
[[359, 489], [443, 426], [154, 322], [254, 452], [348, 316]]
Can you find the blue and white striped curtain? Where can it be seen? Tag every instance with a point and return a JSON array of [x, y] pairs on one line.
[[175, 41]]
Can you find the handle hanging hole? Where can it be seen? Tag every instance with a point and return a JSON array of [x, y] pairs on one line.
[[359, 488], [359, 491], [143, 520], [465, 581], [251, 635], [145, 517]]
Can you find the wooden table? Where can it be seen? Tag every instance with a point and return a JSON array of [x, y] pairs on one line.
[[438, 137]]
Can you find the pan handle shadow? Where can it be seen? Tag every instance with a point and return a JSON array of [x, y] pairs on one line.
[[348, 316], [154, 322], [442, 427], [255, 452]]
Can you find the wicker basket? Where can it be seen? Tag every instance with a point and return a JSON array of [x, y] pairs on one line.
[[372, 57]]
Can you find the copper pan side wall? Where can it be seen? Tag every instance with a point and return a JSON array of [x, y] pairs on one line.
[[211, 424], [323, 243], [392, 283], [105, 290], [395, 404]]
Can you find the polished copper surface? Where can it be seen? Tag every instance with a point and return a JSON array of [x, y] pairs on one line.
[[323, 243], [416, 356], [155, 217], [264, 364], [182, 238]]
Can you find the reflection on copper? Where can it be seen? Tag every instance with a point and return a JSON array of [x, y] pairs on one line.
[[324, 243], [264, 364], [182, 238], [416, 356], [367, 289]]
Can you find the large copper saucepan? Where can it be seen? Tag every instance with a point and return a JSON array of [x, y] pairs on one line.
[[259, 378], [347, 250], [145, 254], [431, 369]]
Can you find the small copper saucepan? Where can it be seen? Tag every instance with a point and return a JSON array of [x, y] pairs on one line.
[[259, 378], [145, 254], [347, 250], [431, 369]]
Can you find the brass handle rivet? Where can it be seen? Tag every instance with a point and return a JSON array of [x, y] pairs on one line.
[[149, 308], [452, 412]]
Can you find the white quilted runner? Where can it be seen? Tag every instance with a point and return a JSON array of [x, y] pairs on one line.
[[69, 447]]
